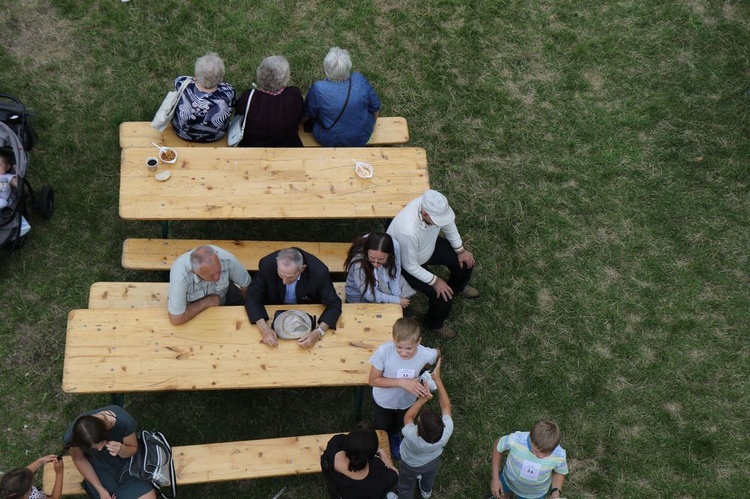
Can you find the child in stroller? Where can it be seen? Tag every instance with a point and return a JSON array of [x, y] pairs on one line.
[[8, 180], [17, 137]]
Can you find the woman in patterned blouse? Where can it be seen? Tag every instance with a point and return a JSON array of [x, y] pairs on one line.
[[205, 107]]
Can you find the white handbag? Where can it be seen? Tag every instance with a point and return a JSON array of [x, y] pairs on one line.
[[237, 125], [168, 107]]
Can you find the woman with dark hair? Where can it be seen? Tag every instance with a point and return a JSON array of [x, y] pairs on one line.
[[355, 468], [101, 442], [18, 483], [373, 268]]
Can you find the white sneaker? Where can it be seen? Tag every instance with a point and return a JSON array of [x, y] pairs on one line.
[[25, 227], [425, 495], [426, 378]]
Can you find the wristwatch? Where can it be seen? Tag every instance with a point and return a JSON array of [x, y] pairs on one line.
[[320, 330], [555, 489]]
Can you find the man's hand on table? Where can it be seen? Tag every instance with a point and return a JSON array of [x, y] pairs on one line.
[[268, 335]]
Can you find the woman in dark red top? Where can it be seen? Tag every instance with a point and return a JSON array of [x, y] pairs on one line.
[[275, 109]]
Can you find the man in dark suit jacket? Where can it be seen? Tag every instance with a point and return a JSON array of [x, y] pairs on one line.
[[292, 276]]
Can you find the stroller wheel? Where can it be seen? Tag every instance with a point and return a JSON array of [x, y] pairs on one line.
[[45, 202]]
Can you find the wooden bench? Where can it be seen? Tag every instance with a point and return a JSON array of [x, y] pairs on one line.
[[228, 461], [389, 130], [158, 254], [142, 294]]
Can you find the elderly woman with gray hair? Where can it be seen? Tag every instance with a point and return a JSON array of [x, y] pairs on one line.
[[275, 109], [344, 106], [205, 106]]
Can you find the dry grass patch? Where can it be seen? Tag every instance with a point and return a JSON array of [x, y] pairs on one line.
[[32, 32]]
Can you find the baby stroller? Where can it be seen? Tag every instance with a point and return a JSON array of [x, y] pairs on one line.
[[17, 138]]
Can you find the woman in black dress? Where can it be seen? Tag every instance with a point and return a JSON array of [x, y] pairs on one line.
[[355, 468]]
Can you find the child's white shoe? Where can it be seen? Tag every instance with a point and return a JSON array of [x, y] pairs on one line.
[[25, 227], [425, 495], [426, 378]]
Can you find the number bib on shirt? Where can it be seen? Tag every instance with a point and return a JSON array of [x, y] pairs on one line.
[[530, 470], [405, 373]]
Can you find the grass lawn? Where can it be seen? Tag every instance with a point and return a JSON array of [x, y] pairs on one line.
[[596, 155]]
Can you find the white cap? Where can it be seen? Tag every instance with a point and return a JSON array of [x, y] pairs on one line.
[[436, 205]]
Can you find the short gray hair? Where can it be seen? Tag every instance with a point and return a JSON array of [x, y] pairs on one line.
[[290, 256], [201, 256], [273, 74], [209, 70], [337, 64]]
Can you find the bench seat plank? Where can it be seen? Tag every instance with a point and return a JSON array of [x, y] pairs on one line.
[[389, 130], [228, 461], [142, 294], [159, 254], [137, 350]]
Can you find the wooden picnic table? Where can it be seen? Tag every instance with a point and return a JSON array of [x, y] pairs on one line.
[[277, 183], [134, 350]]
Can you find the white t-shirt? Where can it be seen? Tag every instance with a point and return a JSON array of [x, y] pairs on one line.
[[416, 452], [386, 359]]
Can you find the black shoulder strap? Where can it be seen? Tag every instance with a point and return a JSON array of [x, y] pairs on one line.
[[348, 93]]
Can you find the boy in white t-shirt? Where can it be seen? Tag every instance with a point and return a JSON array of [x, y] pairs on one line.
[[425, 434], [394, 376]]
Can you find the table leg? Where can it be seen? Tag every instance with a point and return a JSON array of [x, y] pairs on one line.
[[165, 229], [359, 396], [118, 399]]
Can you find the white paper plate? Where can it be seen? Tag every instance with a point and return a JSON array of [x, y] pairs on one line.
[[163, 175]]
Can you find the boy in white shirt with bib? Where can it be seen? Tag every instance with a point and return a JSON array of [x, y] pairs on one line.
[[536, 465], [394, 376]]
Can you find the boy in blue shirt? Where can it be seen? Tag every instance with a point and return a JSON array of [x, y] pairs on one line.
[[394, 376], [535, 462]]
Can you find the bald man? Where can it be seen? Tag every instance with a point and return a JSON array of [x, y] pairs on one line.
[[207, 276]]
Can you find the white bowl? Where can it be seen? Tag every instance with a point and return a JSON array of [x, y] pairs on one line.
[[167, 149], [363, 170]]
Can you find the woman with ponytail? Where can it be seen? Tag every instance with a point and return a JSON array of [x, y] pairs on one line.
[[101, 442], [355, 468]]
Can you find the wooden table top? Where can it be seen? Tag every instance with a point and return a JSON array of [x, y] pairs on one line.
[[134, 350], [287, 183]]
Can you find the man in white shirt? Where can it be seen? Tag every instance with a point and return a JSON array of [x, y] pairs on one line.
[[417, 228]]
